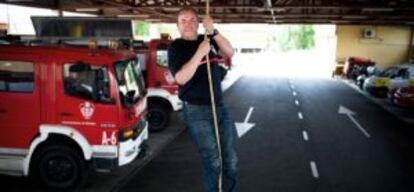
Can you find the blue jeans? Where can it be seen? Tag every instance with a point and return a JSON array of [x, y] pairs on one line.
[[200, 125]]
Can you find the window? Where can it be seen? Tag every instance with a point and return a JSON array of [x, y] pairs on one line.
[[130, 81], [86, 81], [16, 76], [162, 55]]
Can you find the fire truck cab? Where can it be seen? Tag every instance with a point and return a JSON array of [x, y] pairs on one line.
[[162, 88], [64, 109]]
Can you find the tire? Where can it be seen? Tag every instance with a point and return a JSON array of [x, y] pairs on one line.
[[158, 117], [59, 167]]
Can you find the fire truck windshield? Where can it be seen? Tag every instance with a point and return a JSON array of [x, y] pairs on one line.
[[130, 81]]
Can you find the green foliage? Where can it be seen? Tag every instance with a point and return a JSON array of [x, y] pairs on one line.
[[141, 28], [294, 37]]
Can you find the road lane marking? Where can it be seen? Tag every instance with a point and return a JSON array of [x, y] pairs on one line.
[[314, 169], [360, 127], [248, 114], [349, 113], [296, 102], [300, 115], [294, 93], [305, 136], [244, 127], [292, 86]]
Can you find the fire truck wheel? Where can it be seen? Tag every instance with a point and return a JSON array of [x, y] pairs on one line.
[[158, 117], [60, 167]]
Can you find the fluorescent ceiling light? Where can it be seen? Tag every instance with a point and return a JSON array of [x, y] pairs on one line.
[[134, 16], [87, 9], [171, 8]]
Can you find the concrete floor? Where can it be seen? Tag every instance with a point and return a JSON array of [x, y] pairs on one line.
[[299, 143]]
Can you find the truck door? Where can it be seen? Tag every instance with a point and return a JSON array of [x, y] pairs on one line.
[[85, 103], [19, 101]]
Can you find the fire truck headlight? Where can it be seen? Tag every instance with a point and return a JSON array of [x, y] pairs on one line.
[[125, 134], [128, 134]]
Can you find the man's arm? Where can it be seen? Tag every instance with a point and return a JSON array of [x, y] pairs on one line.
[[188, 69], [222, 42], [224, 45]]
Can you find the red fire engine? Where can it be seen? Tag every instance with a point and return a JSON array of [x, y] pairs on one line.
[[162, 88], [63, 109]]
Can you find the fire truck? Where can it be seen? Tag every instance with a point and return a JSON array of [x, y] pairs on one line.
[[162, 88], [65, 109]]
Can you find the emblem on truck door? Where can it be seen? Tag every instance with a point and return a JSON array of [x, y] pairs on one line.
[[87, 109]]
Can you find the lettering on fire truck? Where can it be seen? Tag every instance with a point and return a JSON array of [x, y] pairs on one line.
[[108, 140]]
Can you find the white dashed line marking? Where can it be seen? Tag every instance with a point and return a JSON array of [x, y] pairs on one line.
[[305, 136], [300, 115], [292, 86], [314, 169], [297, 102], [294, 93]]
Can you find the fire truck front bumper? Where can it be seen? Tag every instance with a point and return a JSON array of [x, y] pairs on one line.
[[129, 149]]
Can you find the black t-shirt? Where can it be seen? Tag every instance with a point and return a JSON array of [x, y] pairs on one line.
[[196, 90]]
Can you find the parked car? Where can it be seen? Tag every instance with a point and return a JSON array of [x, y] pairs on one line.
[[371, 70], [355, 66], [404, 97], [389, 80]]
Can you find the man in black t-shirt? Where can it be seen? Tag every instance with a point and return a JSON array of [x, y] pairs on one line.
[[187, 63]]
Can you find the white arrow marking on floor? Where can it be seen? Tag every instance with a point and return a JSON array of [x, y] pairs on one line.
[[349, 113], [314, 169], [300, 115], [243, 128], [305, 136]]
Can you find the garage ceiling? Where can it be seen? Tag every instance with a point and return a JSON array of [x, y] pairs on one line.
[[371, 12]]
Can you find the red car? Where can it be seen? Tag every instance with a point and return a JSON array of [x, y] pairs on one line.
[[404, 97], [355, 66]]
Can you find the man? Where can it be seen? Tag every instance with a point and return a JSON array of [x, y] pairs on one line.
[[186, 60]]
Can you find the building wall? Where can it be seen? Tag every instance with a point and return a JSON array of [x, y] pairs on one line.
[[389, 47]]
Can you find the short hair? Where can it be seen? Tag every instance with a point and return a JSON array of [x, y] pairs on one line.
[[187, 9]]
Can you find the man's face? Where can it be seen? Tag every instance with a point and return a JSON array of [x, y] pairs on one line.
[[188, 25]]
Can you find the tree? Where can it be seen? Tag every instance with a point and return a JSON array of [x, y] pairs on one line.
[[294, 37], [141, 29]]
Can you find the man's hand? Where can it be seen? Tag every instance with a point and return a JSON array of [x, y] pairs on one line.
[[204, 47], [208, 24]]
